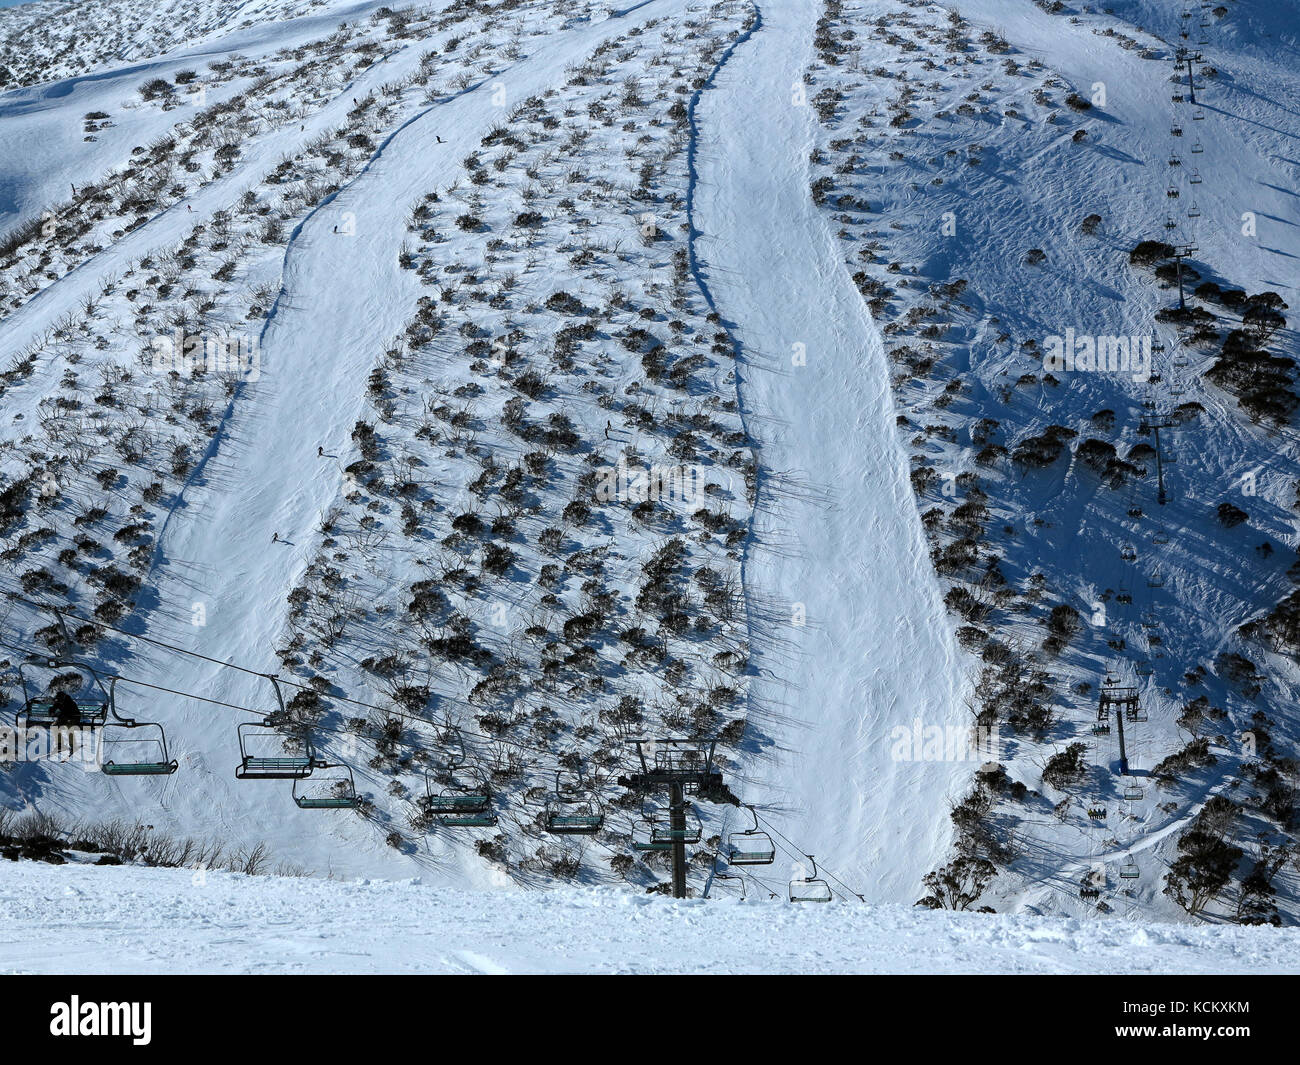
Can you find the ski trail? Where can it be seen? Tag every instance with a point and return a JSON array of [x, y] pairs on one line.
[[838, 536]]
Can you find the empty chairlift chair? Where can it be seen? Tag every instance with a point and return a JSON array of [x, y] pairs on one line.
[[330, 787], [132, 748], [262, 753], [572, 810], [1129, 871], [644, 837], [810, 888], [662, 831], [750, 847], [465, 803]]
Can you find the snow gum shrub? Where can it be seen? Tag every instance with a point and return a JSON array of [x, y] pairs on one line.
[[1195, 755], [1062, 625], [1150, 252], [1075, 102], [1230, 515], [959, 884], [156, 89], [1039, 452], [1066, 767], [1206, 860]]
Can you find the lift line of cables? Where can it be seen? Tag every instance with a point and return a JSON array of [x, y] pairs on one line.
[[786, 844]]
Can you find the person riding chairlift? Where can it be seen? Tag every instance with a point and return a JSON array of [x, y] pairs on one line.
[[67, 721]]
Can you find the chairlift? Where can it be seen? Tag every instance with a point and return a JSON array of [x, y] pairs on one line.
[[255, 739], [1129, 871], [1195, 179], [1198, 115], [1101, 729], [1128, 553], [1132, 792], [1172, 192], [38, 711], [1156, 580], [1174, 160], [1193, 211], [1144, 668], [750, 847], [1160, 537], [1170, 223], [1198, 148], [572, 810], [331, 788], [643, 836], [1176, 131], [131, 748], [1136, 713], [1097, 813], [465, 803], [662, 831], [730, 876], [811, 888]]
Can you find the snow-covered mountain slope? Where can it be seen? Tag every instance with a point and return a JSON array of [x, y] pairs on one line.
[[130, 920], [487, 259]]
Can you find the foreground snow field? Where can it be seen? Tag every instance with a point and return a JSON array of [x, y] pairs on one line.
[[133, 920]]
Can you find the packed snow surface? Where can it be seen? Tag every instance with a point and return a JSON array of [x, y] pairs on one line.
[[133, 920]]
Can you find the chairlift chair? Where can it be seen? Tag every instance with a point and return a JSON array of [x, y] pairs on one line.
[[1195, 179], [1129, 871], [1172, 192], [1132, 792], [1101, 729], [466, 803], [256, 737], [1136, 713], [1156, 580], [1193, 211], [730, 876], [1198, 148], [572, 811], [662, 831], [336, 789], [750, 847], [37, 710], [811, 888], [1198, 115], [1128, 553], [144, 744], [1144, 669], [644, 839], [1160, 537]]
